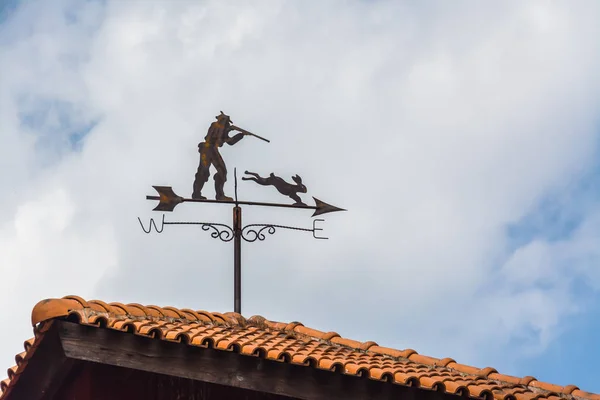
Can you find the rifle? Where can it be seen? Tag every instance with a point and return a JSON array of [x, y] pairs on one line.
[[245, 132]]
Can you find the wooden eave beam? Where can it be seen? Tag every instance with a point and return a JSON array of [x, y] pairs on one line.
[[45, 372], [225, 368]]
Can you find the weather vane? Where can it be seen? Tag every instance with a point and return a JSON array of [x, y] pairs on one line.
[[218, 134]]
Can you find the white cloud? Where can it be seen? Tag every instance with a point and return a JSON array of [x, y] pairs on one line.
[[435, 126]]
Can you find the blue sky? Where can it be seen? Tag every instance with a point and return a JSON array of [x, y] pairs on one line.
[[570, 357], [7, 8], [56, 124], [487, 155]]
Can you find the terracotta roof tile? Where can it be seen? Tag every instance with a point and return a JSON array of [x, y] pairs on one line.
[[289, 343]]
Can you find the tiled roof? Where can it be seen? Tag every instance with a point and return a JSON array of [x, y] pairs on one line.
[[290, 343]]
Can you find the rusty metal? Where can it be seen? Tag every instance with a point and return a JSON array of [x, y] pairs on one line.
[[237, 259], [323, 208], [283, 187], [252, 235], [217, 231], [226, 233], [245, 132], [168, 200], [217, 135]]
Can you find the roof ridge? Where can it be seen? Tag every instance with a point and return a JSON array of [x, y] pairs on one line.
[[70, 305]]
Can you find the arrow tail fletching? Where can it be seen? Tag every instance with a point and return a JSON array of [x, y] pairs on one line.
[[168, 199]]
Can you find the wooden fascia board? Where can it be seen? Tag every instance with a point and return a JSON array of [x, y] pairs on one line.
[[225, 368], [45, 371]]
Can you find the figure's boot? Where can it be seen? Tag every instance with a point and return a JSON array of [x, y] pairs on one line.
[[199, 181], [197, 193], [219, 183], [198, 196]]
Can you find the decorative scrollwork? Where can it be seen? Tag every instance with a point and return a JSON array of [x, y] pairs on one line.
[[220, 231], [217, 231], [252, 235]]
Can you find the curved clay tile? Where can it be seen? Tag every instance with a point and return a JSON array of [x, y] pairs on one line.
[[28, 343], [444, 362], [485, 372], [4, 386], [387, 351], [486, 395], [20, 358], [52, 308], [428, 382], [346, 342], [124, 325], [586, 395], [172, 312], [456, 387], [234, 318], [184, 338], [362, 372], [482, 390], [515, 391], [546, 386], [260, 352], [330, 335], [439, 387], [382, 374], [303, 330], [569, 389], [205, 315], [529, 395], [156, 311], [100, 305], [406, 379], [101, 321], [465, 369], [526, 380], [501, 377], [11, 372], [192, 315], [224, 344], [274, 354], [421, 359], [249, 350], [218, 317], [118, 309], [367, 345], [81, 301], [286, 327], [156, 333], [134, 310], [290, 343]]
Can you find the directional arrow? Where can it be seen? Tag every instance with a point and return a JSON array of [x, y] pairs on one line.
[[168, 200], [323, 208]]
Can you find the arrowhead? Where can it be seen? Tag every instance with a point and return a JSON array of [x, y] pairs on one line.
[[168, 199], [324, 208]]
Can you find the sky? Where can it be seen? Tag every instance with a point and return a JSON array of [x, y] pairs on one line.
[[463, 138]]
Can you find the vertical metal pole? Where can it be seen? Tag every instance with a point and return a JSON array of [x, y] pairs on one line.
[[237, 259]]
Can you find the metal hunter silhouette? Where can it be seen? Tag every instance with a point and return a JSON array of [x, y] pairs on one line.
[[285, 188], [218, 134]]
